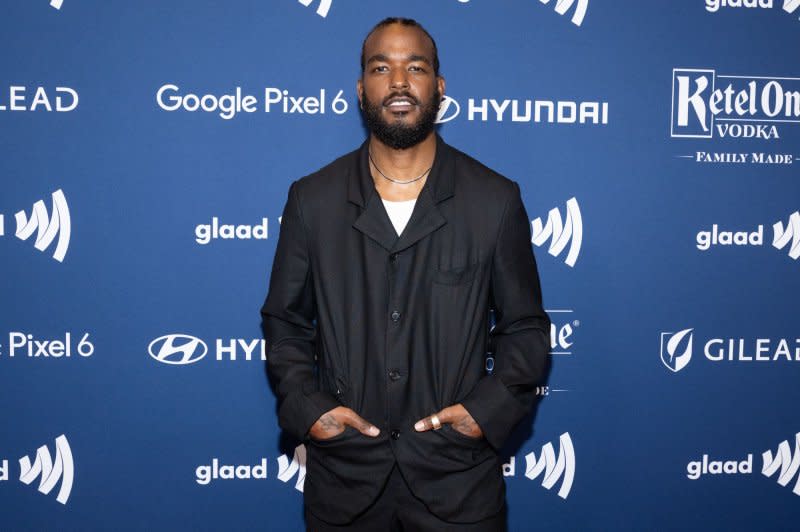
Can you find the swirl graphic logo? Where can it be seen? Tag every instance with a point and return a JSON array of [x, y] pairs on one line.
[[56, 3], [322, 9], [177, 349], [561, 234], [783, 459], [46, 227], [62, 469], [554, 469], [562, 6], [287, 470], [674, 358], [782, 237]]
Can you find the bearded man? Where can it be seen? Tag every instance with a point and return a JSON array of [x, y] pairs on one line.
[[389, 263]]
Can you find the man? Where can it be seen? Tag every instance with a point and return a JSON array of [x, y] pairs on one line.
[[377, 320]]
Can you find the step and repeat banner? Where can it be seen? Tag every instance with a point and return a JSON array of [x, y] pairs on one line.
[[147, 150]]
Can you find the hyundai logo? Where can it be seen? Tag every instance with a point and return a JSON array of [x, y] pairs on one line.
[[448, 110], [177, 349]]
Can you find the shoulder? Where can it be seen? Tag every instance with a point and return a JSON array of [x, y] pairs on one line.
[[329, 178], [479, 178]]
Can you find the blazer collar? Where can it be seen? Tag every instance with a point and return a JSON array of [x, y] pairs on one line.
[[374, 222]]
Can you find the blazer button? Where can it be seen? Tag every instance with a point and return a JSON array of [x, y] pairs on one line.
[[396, 315], [394, 375], [395, 434], [393, 257]]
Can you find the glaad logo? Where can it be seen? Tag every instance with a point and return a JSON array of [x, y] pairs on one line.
[[553, 469], [66, 100], [560, 234], [673, 358], [562, 6], [227, 106], [205, 233], [783, 460], [676, 349], [782, 237], [63, 469], [322, 9], [746, 106], [204, 474], [182, 349], [712, 6], [287, 470], [46, 227]]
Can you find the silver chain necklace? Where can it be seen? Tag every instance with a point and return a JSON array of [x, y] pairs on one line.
[[396, 180]]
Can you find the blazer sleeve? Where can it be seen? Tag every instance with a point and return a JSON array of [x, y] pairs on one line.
[[289, 328], [520, 339]]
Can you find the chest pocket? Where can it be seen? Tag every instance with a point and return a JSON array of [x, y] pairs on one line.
[[456, 276]]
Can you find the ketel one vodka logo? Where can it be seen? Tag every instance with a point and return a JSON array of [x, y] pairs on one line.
[[705, 103], [46, 469]]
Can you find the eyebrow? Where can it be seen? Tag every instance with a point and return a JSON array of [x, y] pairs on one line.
[[384, 59]]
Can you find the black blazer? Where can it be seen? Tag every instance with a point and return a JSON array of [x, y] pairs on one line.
[[397, 328]]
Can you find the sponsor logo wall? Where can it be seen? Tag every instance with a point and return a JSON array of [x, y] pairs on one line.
[[148, 150]]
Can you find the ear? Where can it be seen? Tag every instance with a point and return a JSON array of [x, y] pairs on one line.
[[441, 83], [359, 90]]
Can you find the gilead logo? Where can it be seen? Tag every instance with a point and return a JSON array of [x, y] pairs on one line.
[[22, 98]]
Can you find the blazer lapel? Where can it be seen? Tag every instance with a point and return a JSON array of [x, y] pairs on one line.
[[426, 217]]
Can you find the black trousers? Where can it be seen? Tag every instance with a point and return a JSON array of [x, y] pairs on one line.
[[397, 509]]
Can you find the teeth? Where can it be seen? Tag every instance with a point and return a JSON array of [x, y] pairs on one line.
[[403, 103]]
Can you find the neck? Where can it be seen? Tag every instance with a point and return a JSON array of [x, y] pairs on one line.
[[403, 164]]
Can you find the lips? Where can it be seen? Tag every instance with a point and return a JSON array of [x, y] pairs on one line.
[[400, 103]]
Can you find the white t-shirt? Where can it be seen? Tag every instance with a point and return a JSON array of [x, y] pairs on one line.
[[399, 212]]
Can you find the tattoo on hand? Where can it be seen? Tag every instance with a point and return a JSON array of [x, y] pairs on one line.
[[465, 425], [329, 423]]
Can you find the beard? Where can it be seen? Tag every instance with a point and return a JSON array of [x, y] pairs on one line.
[[400, 136]]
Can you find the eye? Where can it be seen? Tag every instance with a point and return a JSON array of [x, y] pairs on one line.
[[380, 68], [416, 68]]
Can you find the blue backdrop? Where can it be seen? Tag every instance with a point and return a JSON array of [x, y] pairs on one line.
[[147, 149]]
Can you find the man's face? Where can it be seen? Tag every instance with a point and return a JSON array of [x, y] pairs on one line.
[[398, 90]]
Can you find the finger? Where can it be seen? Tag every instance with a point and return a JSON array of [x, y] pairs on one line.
[[359, 423], [427, 423]]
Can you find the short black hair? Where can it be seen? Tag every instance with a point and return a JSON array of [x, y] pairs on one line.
[[410, 22]]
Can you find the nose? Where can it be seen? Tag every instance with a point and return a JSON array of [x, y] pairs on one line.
[[399, 79]]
